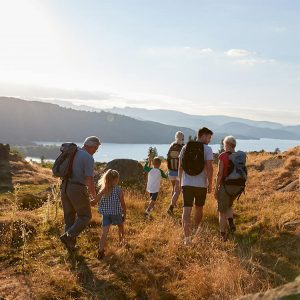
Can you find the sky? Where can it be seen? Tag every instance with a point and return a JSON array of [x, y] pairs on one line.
[[238, 58]]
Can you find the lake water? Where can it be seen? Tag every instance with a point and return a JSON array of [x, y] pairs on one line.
[[110, 151]]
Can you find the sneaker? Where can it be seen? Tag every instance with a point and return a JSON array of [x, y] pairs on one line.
[[68, 241], [101, 254], [187, 241], [170, 211], [146, 214]]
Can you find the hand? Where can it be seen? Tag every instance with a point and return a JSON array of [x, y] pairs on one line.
[[124, 217], [93, 202]]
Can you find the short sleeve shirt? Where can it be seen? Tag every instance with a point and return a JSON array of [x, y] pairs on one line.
[[201, 179], [224, 157], [83, 166], [154, 179], [111, 205]]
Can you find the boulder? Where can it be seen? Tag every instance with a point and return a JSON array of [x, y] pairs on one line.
[[131, 171], [5, 171], [288, 291]]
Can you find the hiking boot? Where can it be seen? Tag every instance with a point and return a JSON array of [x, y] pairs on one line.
[[101, 254], [68, 241]]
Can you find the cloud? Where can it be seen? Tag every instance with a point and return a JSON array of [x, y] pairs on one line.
[[254, 61], [279, 29], [247, 58], [239, 53], [178, 51]]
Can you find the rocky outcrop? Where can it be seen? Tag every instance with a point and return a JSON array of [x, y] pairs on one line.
[[5, 171], [288, 291], [130, 170]]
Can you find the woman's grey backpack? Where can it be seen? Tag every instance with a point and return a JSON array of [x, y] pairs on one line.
[[237, 170]]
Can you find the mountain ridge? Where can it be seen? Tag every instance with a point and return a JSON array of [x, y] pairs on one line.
[[29, 121]]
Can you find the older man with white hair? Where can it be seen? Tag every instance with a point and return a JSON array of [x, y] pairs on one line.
[[77, 190]]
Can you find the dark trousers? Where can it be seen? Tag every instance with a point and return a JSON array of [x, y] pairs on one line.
[[76, 207]]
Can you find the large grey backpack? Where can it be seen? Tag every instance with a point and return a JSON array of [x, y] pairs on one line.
[[63, 164], [237, 170]]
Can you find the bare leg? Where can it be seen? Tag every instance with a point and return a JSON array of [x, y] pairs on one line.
[[121, 233], [186, 216], [175, 192], [103, 237], [198, 216], [150, 206]]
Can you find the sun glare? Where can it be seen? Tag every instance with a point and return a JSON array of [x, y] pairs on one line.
[[31, 46]]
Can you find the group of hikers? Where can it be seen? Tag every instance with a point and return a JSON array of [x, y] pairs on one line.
[[190, 170]]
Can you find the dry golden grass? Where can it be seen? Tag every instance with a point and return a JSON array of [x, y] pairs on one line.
[[154, 264]]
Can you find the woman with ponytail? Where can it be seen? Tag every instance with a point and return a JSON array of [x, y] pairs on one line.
[[173, 163], [112, 207]]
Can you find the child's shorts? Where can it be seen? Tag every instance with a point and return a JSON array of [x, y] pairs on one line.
[[112, 220], [153, 196]]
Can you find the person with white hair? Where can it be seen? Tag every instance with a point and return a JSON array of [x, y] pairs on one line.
[[77, 190], [230, 183], [173, 164]]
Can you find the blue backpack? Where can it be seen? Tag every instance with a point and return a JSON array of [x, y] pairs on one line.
[[237, 170]]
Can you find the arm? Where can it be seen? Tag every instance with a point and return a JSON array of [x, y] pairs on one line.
[[163, 174], [97, 198], [89, 181], [123, 205], [180, 171], [219, 174], [89, 175], [219, 177], [209, 172], [147, 168]]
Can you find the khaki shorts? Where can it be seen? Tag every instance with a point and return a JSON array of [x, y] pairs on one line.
[[227, 195]]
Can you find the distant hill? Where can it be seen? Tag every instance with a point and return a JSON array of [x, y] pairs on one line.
[[193, 121], [236, 128], [223, 125], [23, 121]]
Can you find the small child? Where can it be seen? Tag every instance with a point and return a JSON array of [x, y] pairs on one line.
[[154, 178], [112, 207]]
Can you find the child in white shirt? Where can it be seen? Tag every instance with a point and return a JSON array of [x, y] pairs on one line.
[[154, 178]]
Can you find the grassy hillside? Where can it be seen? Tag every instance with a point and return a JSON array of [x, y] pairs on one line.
[[154, 264]]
